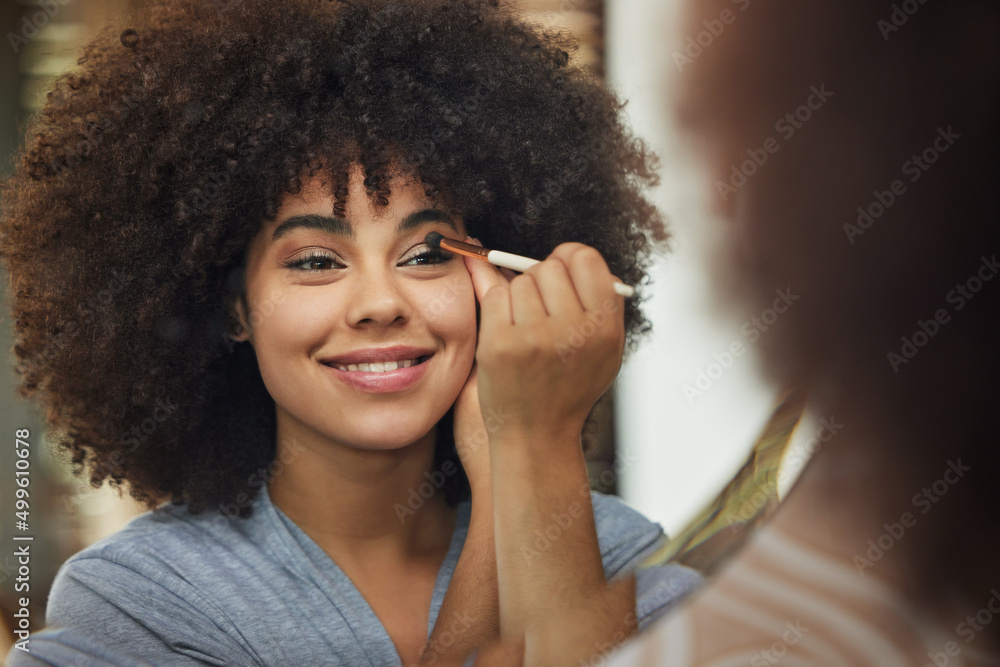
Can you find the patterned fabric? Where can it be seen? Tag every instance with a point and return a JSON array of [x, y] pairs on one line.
[[785, 601]]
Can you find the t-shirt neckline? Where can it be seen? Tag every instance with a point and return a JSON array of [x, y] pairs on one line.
[[310, 561]]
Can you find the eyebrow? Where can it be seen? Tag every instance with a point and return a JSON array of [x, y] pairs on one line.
[[341, 227]]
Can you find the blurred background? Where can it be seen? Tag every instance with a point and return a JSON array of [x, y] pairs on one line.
[[668, 436]]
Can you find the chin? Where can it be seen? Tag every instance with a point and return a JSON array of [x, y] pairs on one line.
[[386, 436], [370, 430]]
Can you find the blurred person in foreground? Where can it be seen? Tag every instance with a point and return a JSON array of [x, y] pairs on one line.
[[851, 151]]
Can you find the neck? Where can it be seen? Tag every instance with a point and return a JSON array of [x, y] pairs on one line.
[[361, 506]]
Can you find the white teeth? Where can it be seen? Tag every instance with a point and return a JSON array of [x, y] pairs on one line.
[[379, 367]]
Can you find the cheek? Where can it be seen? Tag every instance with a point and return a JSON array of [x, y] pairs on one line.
[[283, 324], [449, 308]]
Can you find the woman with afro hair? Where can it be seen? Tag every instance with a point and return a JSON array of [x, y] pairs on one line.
[[349, 441]]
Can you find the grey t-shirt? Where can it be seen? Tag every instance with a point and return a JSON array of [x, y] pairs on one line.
[[174, 588]]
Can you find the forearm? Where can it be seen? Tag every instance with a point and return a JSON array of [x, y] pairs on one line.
[[588, 632], [469, 615], [548, 557]]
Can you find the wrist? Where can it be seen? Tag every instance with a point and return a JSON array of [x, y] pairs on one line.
[[525, 461], [562, 438]]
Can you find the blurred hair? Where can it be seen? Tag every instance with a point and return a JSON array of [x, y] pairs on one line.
[[901, 75]]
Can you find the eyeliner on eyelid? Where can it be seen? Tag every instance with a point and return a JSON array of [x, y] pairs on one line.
[[438, 254]]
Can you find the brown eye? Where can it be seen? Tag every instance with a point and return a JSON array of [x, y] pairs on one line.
[[312, 262], [430, 257]]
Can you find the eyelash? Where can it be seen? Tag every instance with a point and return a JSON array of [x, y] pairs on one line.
[[439, 256]]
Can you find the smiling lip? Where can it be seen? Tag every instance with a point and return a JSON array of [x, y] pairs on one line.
[[379, 383], [378, 354], [384, 382]]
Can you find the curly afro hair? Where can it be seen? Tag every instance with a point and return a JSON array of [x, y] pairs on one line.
[[153, 164]]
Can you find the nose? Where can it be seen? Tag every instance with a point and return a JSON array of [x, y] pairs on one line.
[[377, 299]]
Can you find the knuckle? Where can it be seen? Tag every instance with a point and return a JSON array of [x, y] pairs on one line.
[[493, 294], [553, 265], [502, 354], [533, 270], [588, 256], [570, 247], [566, 250], [524, 280]]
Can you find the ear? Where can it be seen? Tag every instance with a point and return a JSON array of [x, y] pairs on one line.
[[241, 321]]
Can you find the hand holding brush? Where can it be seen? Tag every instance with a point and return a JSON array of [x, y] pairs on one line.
[[499, 258]]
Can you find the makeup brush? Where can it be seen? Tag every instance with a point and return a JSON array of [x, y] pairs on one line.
[[499, 257]]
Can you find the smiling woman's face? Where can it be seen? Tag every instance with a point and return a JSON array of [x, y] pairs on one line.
[[329, 294]]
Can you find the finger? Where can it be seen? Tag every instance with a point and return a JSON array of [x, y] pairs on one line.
[[509, 274], [526, 303], [495, 313], [484, 275], [590, 275], [556, 288]]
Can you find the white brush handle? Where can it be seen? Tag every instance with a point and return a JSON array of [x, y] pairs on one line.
[[521, 264], [509, 260]]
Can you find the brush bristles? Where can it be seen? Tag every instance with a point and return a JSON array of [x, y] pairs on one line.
[[433, 239]]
